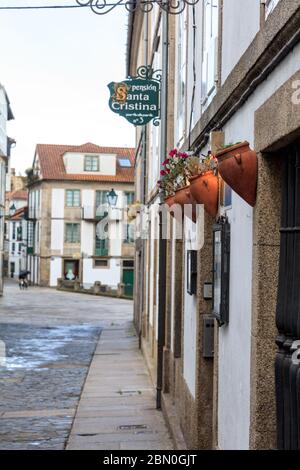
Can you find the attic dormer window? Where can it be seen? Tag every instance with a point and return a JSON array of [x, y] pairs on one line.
[[125, 162], [91, 163]]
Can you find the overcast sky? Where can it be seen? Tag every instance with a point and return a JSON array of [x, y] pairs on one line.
[[55, 65]]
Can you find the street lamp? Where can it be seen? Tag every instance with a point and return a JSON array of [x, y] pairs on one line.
[[112, 198]]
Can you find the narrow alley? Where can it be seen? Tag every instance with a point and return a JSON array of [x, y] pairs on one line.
[[73, 376]]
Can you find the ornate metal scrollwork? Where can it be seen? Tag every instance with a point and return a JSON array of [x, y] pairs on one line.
[[102, 7]]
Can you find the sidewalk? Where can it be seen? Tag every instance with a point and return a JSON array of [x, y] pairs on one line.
[[117, 405]]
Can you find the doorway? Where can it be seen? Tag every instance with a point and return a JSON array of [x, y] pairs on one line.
[[128, 278], [71, 270]]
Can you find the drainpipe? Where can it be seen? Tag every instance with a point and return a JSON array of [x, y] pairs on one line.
[[162, 241]]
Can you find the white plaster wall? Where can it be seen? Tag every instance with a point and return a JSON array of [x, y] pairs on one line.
[[87, 238], [189, 328], [3, 119], [235, 339], [88, 200], [58, 203], [108, 163], [173, 251], [74, 163], [55, 271], [241, 19], [57, 235], [110, 276]]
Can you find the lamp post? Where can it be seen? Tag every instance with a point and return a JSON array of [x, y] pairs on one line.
[[112, 198]]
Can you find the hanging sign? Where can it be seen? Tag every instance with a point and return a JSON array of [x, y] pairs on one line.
[[138, 98]]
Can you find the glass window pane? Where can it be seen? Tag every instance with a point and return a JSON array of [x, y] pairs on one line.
[[91, 163]]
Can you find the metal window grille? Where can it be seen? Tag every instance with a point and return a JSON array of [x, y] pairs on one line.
[[287, 363]]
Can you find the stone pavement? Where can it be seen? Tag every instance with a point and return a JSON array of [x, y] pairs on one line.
[[117, 406], [50, 339]]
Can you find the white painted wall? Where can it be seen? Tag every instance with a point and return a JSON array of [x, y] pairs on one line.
[[108, 164], [57, 235], [58, 203], [55, 271], [74, 163], [235, 339], [189, 327], [241, 19], [3, 120], [110, 276], [87, 238]]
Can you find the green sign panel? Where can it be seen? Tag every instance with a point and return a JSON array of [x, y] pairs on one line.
[[138, 98]]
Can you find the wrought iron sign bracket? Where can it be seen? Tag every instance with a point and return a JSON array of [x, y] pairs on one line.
[[103, 7]]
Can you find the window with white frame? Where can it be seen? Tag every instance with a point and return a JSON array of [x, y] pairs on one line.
[[270, 5], [181, 74], [210, 48], [91, 163]]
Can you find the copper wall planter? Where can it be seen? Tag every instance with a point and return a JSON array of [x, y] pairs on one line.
[[182, 197], [205, 190], [238, 167]]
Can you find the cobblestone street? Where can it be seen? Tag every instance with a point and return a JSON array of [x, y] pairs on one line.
[[50, 340]]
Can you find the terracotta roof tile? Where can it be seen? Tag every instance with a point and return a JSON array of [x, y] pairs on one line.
[[18, 194], [52, 164], [19, 214]]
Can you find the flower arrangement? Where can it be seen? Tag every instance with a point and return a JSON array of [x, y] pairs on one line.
[[199, 165], [179, 167], [173, 175]]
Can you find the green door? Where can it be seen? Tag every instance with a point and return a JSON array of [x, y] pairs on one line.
[[128, 277]]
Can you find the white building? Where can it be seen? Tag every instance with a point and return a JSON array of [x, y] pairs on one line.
[[16, 233], [5, 146], [66, 186], [233, 76]]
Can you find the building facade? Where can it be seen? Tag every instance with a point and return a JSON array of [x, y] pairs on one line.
[[15, 238], [72, 234], [233, 76], [5, 148]]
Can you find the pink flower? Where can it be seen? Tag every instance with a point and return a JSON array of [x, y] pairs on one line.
[[166, 162], [173, 152], [183, 155], [163, 173]]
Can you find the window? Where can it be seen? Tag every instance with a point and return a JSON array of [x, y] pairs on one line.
[[125, 162], [101, 204], [210, 48], [19, 233], [13, 247], [72, 233], [30, 237], [101, 245], [181, 74], [191, 267], [14, 230], [227, 194], [221, 266], [128, 263], [91, 163], [129, 233], [129, 198], [101, 263], [270, 5], [73, 198]]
